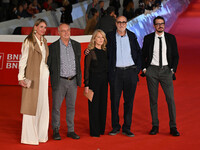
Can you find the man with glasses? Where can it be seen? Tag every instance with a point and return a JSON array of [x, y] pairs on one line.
[[160, 60], [124, 63]]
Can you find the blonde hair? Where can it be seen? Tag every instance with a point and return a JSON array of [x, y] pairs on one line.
[[30, 36], [92, 41]]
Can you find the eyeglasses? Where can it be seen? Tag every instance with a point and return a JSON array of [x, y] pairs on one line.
[[160, 24], [121, 22]]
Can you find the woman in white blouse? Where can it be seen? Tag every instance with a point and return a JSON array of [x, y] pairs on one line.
[[33, 68]]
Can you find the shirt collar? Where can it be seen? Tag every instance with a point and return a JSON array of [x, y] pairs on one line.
[[163, 35], [69, 44], [117, 34]]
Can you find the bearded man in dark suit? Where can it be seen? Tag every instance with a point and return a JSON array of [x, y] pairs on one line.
[[160, 60]]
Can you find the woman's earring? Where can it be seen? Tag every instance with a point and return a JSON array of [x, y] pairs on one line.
[[34, 31]]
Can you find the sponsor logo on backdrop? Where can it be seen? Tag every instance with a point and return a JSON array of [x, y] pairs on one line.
[[12, 61], [1, 60]]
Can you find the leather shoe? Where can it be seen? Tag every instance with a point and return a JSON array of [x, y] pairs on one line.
[[128, 133], [73, 135], [114, 132], [174, 132], [154, 130], [56, 135]]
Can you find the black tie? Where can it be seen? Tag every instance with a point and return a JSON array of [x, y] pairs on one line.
[[160, 51]]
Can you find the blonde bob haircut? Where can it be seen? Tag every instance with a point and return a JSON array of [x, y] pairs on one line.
[[93, 43]]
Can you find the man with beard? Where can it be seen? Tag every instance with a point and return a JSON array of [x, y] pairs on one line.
[[160, 60]]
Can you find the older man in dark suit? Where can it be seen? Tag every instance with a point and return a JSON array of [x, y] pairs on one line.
[[64, 66], [124, 63], [160, 60]]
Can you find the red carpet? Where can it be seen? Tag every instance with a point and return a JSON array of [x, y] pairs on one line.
[[187, 98]]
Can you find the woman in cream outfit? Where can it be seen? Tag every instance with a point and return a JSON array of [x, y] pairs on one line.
[[35, 104]]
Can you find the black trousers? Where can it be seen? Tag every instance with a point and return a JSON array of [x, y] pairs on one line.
[[126, 81], [98, 106]]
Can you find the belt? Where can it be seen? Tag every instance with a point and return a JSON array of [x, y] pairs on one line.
[[69, 78], [160, 67], [126, 68]]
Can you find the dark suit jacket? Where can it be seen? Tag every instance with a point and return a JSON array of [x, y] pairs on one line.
[[54, 62], [112, 48], [172, 50]]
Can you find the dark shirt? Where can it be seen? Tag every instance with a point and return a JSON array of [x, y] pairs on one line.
[[66, 16], [25, 14], [129, 14], [95, 63], [139, 11], [107, 24]]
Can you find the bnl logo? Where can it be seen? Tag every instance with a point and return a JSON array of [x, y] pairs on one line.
[[1, 60]]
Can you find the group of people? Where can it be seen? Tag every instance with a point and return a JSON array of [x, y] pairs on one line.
[[25, 8], [17, 9], [115, 58]]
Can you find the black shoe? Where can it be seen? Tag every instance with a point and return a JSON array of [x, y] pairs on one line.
[[154, 130], [73, 135], [128, 133], [174, 132], [56, 135], [114, 132]]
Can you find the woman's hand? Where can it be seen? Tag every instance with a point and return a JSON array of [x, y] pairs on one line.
[[22, 83], [86, 89], [86, 51]]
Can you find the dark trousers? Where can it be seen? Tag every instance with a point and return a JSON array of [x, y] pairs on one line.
[[126, 81], [98, 106], [154, 76]]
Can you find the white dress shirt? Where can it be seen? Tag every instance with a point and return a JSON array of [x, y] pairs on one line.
[[155, 59]]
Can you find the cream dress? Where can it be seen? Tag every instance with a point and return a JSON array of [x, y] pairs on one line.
[[35, 128]]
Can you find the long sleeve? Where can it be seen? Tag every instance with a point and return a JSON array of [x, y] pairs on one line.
[[144, 53], [87, 62], [23, 60], [175, 55]]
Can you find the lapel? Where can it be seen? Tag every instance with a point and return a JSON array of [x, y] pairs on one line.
[[57, 51], [73, 47], [130, 40], [114, 45], [167, 43], [46, 49], [36, 46]]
